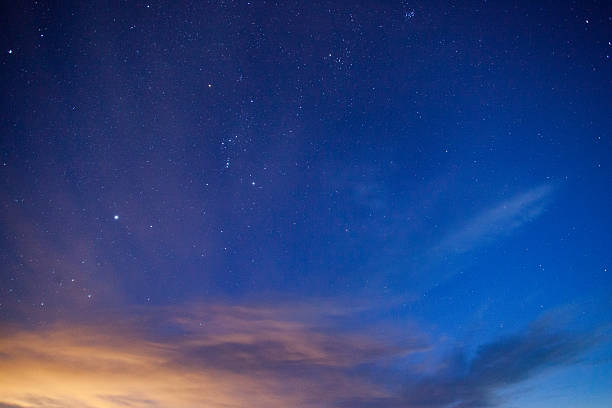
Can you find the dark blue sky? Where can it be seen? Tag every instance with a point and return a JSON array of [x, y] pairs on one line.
[[339, 204]]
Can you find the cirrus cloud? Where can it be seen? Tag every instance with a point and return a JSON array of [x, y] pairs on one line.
[[497, 222]]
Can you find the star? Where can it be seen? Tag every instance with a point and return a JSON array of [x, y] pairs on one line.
[[115, 217]]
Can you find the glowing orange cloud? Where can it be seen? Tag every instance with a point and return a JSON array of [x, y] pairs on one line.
[[215, 357]]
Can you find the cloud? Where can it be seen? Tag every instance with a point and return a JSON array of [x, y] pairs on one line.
[[498, 221], [212, 356], [464, 383], [498, 364], [258, 356]]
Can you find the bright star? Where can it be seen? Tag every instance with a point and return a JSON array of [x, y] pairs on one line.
[[116, 217]]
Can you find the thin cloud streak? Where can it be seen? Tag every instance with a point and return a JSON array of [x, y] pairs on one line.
[[496, 222]]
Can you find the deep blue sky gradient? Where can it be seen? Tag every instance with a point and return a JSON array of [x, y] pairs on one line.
[[439, 166]]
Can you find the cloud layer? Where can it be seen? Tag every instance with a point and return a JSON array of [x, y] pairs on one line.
[[230, 356], [212, 357]]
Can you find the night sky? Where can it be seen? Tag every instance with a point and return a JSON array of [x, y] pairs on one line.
[[273, 204]]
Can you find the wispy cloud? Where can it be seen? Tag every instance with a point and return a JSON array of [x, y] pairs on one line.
[[497, 222]]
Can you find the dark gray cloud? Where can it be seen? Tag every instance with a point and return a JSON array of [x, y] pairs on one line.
[[507, 361], [473, 382]]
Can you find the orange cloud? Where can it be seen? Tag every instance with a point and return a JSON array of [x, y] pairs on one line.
[[213, 357]]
